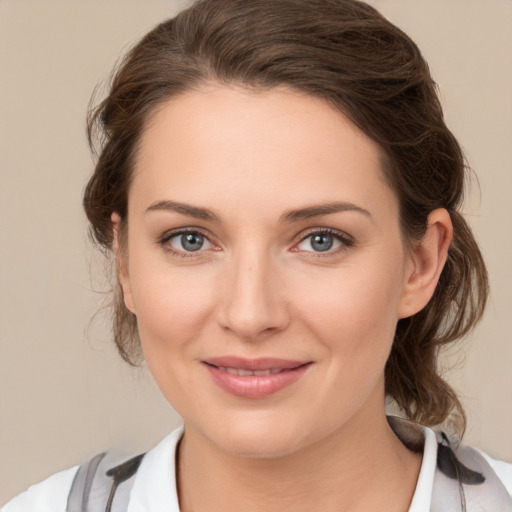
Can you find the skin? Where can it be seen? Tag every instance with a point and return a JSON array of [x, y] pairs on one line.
[[258, 287]]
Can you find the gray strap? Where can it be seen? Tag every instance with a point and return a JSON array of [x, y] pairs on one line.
[[102, 486], [465, 482], [78, 499]]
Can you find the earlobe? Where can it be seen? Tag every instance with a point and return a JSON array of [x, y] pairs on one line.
[[121, 262], [426, 261]]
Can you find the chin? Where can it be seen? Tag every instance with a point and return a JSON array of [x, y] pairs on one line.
[[260, 446], [259, 437]]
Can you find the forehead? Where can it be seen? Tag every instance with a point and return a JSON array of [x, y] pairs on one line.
[[279, 145]]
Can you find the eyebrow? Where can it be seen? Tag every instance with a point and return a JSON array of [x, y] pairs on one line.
[[322, 209], [287, 217], [185, 209]]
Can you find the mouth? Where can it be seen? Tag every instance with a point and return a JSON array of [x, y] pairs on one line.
[[245, 373], [255, 378]]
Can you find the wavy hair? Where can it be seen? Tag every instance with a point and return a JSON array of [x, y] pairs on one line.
[[349, 55]]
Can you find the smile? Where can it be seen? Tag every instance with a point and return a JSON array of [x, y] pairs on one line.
[[245, 373], [256, 378]]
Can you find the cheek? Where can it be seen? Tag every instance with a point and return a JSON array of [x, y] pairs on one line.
[[356, 328], [354, 311], [171, 314], [171, 306]]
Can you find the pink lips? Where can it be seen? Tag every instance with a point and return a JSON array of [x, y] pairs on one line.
[[254, 378]]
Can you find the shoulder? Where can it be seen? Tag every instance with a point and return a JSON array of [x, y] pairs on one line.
[[146, 482], [50, 495], [467, 474], [502, 469], [453, 473]]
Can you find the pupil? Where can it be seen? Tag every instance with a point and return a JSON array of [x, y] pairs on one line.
[[322, 242], [191, 242]]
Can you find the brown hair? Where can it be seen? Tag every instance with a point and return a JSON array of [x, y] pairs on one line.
[[348, 54]]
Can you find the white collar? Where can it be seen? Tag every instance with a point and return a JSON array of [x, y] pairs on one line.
[[423, 493], [155, 484]]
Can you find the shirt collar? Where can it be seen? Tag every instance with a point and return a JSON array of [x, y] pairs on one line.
[[424, 486], [155, 484]]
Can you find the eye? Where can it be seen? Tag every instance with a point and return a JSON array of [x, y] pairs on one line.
[[323, 241], [186, 242]]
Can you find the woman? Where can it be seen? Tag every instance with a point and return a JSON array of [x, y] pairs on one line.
[[282, 197]]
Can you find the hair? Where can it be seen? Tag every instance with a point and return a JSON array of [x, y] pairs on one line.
[[349, 55]]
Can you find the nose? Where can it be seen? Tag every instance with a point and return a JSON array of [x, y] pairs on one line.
[[253, 304]]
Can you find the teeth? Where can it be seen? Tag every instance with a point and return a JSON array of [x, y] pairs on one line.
[[246, 373]]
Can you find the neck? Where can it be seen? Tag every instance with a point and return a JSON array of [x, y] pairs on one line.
[[361, 466]]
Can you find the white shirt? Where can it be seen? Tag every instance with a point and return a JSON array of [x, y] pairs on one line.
[[154, 489]]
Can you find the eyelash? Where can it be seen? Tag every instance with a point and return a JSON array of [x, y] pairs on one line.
[[345, 240], [164, 241]]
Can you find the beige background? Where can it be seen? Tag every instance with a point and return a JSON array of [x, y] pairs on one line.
[[64, 394]]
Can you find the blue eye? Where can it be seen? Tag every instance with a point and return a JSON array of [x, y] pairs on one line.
[[191, 241], [322, 241]]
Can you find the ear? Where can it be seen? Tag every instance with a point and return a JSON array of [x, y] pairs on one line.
[[426, 259], [121, 262]]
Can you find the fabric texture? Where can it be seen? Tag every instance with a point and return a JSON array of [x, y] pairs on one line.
[[486, 483]]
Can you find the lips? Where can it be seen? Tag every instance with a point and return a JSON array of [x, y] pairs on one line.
[[245, 373], [254, 378]]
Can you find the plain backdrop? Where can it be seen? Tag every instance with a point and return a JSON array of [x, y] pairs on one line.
[[64, 393]]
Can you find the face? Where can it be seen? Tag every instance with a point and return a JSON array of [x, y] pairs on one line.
[[265, 264]]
